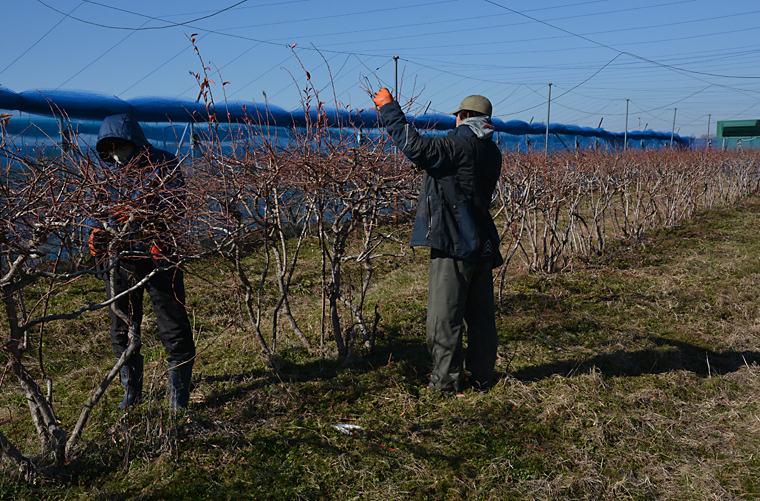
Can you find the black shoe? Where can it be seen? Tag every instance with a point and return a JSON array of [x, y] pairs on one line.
[[131, 376], [180, 375]]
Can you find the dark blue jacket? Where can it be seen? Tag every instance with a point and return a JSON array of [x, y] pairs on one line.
[[461, 171], [153, 186]]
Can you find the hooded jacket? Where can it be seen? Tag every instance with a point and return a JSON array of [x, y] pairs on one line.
[[152, 187], [460, 174]]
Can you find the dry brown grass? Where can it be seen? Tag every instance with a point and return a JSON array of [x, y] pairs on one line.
[[604, 393]]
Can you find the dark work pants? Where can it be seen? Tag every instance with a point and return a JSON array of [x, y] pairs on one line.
[[167, 295], [459, 292]]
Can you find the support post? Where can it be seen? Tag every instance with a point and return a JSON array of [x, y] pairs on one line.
[[548, 116], [625, 137], [395, 165], [395, 89]]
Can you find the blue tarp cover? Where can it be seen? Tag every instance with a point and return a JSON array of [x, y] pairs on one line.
[[96, 106]]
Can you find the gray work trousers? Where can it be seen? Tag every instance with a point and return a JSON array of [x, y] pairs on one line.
[[459, 292]]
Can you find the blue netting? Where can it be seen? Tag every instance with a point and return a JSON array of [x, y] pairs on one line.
[[40, 113]]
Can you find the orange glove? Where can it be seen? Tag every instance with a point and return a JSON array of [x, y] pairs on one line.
[[122, 213], [382, 98], [98, 242], [157, 250], [162, 250]]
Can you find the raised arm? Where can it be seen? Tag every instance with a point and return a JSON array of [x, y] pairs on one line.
[[426, 152]]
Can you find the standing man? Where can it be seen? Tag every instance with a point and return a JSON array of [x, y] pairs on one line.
[[141, 199], [460, 174]]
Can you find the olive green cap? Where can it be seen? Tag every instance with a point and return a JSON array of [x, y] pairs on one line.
[[475, 103]]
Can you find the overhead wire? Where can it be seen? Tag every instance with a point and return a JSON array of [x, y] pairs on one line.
[[301, 77], [241, 7], [743, 111], [459, 43], [334, 16], [528, 40], [495, 81], [167, 26], [682, 99], [612, 101], [142, 79], [648, 112], [418, 24], [368, 55], [99, 57], [619, 53], [41, 38], [618, 50], [578, 85], [408, 36], [277, 65], [621, 66], [217, 32], [173, 25], [622, 63], [336, 75]]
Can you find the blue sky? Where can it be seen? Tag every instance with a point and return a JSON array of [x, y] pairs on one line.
[[698, 57]]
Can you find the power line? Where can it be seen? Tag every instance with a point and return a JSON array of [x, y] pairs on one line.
[[161, 66], [743, 112], [456, 74], [459, 20], [479, 28], [65, 16], [583, 82], [525, 40], [493, 75], [258, 77], [277, 4], [613, 48], [129, 12], [619, 30], [173, 25], [216, 32], [333, 16], [680, 100], [335, 76], [99, 57]]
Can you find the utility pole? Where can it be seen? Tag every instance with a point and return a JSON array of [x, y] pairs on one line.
[[548, 115], [395, 157], [625, 138], [673, 130], [708, 130], [395, 89], [192, 130]]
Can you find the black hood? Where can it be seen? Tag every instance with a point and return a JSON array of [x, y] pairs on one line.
[[124, 127]]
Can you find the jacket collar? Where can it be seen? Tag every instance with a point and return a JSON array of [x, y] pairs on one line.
[[480, 127]]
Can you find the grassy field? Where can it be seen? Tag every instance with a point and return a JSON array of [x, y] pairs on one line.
[[634, 377]]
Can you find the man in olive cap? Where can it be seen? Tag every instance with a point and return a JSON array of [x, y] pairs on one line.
[[453, 219]]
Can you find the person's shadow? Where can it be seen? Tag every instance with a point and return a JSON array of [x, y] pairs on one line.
[[669, 355]]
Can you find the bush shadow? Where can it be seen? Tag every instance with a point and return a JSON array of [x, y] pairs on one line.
[[407, 355]]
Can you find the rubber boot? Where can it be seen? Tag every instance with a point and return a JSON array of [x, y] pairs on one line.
[[180, 374], [131, 375]]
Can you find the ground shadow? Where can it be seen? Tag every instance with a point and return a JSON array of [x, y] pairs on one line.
[[393, 346], [270, 464], [669, 356], [407, 354]]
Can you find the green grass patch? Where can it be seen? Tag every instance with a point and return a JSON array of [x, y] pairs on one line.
[[633, 377]]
